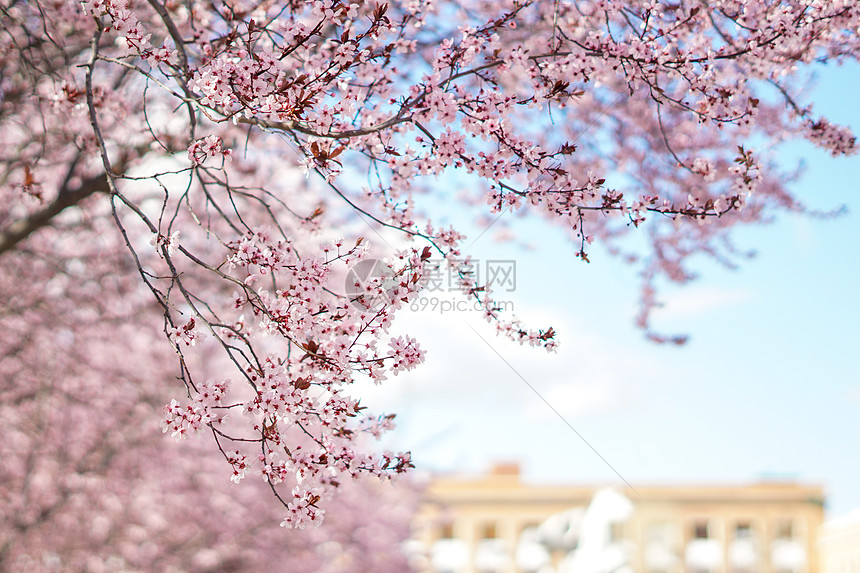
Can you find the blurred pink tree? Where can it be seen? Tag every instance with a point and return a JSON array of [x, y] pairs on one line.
[[176, 129], [88, 481]]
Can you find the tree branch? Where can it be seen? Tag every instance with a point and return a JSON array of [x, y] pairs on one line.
[[20, 230]]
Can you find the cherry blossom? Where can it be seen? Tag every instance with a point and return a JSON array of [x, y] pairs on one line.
[[159, 121]]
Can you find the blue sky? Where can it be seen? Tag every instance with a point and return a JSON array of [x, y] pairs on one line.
[[767, 387]]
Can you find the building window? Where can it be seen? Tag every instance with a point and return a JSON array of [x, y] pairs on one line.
[[700, 530], [784, 529], [661, 532], [616, 531], [489, 530], [447, 531], [743, 530]]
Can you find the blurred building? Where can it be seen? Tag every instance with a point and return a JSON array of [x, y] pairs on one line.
[[839, 544], [496, 524]]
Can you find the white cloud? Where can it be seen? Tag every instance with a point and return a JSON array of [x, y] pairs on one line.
[[697, 301], [576, 398]]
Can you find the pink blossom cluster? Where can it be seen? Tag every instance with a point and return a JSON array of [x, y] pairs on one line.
[[406, 354], [167, 242], [123, 21], [187, 334], [331, 342], [205, 148], [180, 420], [302, 510]]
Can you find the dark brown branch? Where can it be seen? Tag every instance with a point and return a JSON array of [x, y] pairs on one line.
[[20, 230]]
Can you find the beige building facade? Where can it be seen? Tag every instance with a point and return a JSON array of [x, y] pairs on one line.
[[497, 524], [839, 544]]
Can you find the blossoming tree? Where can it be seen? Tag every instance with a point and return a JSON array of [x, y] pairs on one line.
[[183, 124], [88, 481]]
